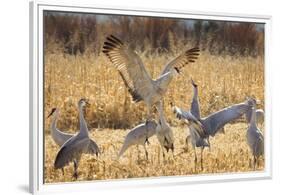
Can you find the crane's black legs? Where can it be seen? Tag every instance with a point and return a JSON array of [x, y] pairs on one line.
[[62, 170], [202, 149], [146, 153], [75, 164]]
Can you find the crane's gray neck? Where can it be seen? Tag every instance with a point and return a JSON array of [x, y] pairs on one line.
[[162, 119], [195, 93], [82, 121], [54, 122], [161, 113], [253, 117]]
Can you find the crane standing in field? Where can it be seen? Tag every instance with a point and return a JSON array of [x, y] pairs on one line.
[[255, 138], [164, 132], [139, 136], [195, 107], [195, 111], [77, 145], [132, 70], [212, 123], [58, 136], [198, 135]]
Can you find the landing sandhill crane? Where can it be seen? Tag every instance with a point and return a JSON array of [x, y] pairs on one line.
[[214, 122], [164, 132], [58, 136], [80, 143], [132, 70], [139, 136], [255, 138]]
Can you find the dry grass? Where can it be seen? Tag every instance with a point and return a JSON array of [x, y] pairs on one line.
[[229, 153], [222, 81]]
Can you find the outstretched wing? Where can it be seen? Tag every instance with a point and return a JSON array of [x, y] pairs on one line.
[[130, 67], [70, 150], [181, 114], [73, 149], [217, 120], [136, 97], [187, 57]]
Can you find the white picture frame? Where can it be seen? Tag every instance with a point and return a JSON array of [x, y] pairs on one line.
[[36, 184]]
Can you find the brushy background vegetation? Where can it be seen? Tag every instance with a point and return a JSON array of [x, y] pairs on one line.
[[230, 68]]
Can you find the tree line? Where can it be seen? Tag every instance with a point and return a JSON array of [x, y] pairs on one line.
[[78, 33]]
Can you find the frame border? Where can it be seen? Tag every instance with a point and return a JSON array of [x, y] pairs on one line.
[[36, 183]]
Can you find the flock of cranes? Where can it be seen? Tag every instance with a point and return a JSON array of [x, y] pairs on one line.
[[215, 122], [143, 88]]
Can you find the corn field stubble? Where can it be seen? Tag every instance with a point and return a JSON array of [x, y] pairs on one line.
[[222, 81]]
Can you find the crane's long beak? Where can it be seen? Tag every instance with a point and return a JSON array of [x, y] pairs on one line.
[[51, 113], [193, 84]]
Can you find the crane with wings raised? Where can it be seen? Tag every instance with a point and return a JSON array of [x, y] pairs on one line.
[[132, 70]]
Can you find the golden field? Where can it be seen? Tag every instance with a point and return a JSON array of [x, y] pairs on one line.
[[229, 153], [222, 81]]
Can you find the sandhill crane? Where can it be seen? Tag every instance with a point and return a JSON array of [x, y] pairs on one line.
[[195, 107], [255, 138], [212, 123], [195, 110], [139, 136], [80, 143], [197, 133], [58, 136], [132, 70], [163, 131]]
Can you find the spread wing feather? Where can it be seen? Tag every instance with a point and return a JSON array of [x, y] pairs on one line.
[[217, 120], [187, 57], [130, 67]]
